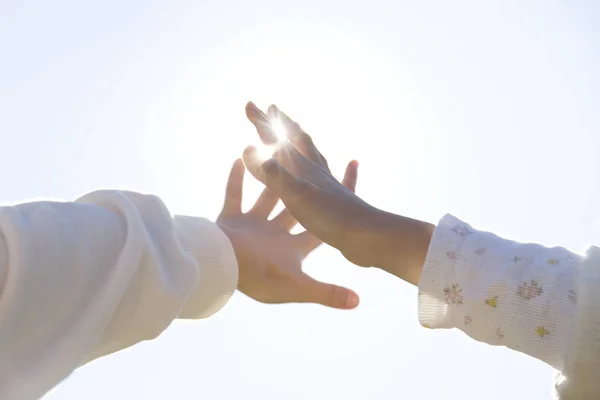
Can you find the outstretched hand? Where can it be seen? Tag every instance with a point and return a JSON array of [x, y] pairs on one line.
[[269, 256], [300, 176]]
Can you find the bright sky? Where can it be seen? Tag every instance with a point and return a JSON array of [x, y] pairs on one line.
[[487, 110]]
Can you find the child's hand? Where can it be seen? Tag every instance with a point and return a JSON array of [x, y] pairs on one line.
[[269, 256], [299, 174]]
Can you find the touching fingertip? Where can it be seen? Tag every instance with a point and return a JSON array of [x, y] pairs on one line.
[[249, 150]]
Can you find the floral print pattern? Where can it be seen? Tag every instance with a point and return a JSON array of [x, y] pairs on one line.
[[453, 295], [516, 260], [530, 290], [541, 331], [495, 281], [462, 230], [499, 333], [480, 251], [492, 302]]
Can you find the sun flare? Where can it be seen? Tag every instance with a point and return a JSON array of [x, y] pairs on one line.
[[278, 129], [264, 152]]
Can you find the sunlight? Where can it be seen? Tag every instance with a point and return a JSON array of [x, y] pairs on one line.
[[265, 152], [278, 129]]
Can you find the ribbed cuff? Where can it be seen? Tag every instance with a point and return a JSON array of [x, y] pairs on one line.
[[433, 310], [499, 292], [217, 265]]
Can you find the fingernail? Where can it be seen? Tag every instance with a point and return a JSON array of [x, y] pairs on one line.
[[352, 300]]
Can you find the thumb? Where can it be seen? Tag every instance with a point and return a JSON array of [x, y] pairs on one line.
[[351, 175], [313, 291]]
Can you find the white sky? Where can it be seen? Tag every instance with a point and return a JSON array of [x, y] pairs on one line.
[[487, 111]]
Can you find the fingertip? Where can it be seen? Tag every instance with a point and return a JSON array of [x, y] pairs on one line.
[[351, 175], [342, 298], [251, 109], [249, 157], [352, 168], [238, 168], [352, 301], [249, 151], [255, 114]]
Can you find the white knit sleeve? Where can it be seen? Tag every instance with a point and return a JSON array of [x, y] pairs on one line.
[[85, 279], [500, 292]]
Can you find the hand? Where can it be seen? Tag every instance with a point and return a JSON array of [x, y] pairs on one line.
[[300, 176], [269, 256]]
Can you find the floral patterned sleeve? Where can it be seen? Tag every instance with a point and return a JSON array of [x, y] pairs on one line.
[[499, 292]]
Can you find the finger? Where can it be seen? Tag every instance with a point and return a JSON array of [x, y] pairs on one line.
[[233, 192], [308, 242], [261, 123], [265, 204], [292, 127], [313, 291], [351, 175], [285, 219], [325, 163], [273, 175], [297, 136]]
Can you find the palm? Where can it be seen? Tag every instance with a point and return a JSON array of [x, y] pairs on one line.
[[269, 255]]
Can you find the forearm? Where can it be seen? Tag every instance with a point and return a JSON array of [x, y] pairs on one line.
[[403, 244], [499, 292], [85, 279]]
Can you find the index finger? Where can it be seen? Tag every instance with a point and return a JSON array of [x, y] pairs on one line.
[[261, 123], [233, 193], [302, 140]]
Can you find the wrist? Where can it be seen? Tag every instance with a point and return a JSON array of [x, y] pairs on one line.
[[399, 245]]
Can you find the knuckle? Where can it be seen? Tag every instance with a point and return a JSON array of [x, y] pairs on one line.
[[271, 167]]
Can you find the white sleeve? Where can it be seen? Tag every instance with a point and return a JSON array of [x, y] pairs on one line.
[[500, 292], [82, 280]]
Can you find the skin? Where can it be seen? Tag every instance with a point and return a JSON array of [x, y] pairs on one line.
[[269, 256], [299, 175]]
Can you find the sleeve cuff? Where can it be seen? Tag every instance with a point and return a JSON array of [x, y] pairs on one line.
[[436, 287], [499, 292], [217, 266]]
